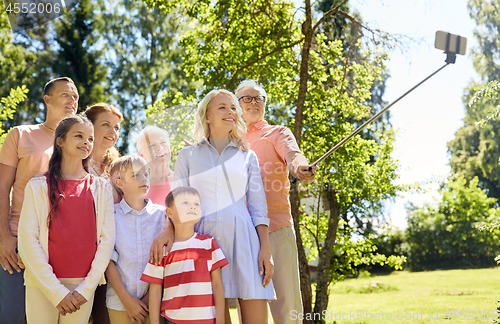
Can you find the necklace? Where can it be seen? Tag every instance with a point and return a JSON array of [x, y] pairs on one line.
[[97, 166], [43, 124]]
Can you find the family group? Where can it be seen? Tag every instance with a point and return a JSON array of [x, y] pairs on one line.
[[87, 234]]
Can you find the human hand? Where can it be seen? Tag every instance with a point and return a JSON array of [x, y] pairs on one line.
[[79, 298], [165, 239], [20, 263], [266, 265], [136, 309], [68, 305], [9, 258], [306, 176]]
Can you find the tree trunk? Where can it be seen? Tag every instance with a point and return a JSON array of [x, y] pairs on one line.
[[305, 276], [304, 72], [325, 255], [305, 279]]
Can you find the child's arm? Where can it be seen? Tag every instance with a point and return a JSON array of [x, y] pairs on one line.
[[218, 290], [155, 291], [33, 225], [166, 238], [145, 299], [136, 309]]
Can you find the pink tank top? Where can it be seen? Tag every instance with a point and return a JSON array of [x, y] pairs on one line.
[[158, 192]]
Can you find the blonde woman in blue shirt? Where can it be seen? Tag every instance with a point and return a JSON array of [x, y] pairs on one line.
[[233, 202]]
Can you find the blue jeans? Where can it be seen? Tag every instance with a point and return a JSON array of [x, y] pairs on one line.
[[12, 297]]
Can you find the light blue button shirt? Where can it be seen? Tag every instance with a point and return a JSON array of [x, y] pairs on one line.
[[233, 203], [135, 232]]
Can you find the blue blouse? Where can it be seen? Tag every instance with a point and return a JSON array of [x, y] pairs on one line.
[[233, 202]]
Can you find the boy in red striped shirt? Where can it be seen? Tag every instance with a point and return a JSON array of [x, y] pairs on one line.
[[190, 275]]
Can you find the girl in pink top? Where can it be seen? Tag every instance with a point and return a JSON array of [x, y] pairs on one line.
[[66, 230], [153, 144]]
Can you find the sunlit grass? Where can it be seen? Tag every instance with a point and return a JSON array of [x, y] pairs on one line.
[[414, 293]]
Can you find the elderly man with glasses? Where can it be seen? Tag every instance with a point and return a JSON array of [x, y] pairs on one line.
[[278, 153]]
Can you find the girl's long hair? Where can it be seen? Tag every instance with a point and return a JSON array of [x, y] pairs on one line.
[[201, 128], [91, 113], [54, 171]]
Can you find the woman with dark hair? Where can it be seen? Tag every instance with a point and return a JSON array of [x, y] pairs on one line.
[[66, 253], [106, 119]]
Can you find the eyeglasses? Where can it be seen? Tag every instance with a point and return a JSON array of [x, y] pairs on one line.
[[248, 99]]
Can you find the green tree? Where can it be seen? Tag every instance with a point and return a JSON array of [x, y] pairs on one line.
[[76, 55], [487, 33], [448, 235], [339, 27], [390, 241], [15, 64], [8, 107], [39, 43], [474, 151], [67, 46], [145, 58], [300, 68]]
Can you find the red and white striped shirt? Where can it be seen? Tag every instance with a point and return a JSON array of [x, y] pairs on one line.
[[185, 274]]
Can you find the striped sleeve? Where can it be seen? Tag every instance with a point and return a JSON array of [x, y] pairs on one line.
[[153, 274], [218, 258]]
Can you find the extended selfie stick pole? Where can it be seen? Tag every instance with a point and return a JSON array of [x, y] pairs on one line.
[[445, 42], [360, 128]]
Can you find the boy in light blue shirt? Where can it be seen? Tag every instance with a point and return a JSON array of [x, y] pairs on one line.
[[138, 223]]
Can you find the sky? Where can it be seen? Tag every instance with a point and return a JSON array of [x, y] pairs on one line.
[[427, 118]]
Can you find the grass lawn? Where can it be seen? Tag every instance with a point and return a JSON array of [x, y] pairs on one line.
[[412, 293]]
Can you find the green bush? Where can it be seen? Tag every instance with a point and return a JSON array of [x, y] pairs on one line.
[[448, 235]]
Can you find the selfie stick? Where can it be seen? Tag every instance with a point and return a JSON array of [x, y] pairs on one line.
[[450, 59]]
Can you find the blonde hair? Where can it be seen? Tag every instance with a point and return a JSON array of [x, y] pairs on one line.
[[142, 141], [201, 129], [119, 166]]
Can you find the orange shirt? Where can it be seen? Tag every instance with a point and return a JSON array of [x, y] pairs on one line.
[[272, 144], [27, 148]]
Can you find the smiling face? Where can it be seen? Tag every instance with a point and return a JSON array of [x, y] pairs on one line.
[[253, 112], [106, 129], [135, 180], [185, 208], [62, 101], [78, 142], [158, 148], [221, 115]]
